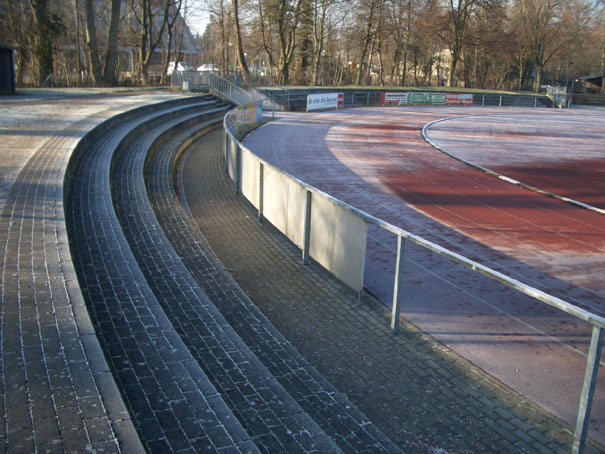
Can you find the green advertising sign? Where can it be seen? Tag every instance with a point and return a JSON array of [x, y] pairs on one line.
[[426, 98]]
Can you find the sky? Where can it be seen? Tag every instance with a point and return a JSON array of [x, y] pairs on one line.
[[197, 15]]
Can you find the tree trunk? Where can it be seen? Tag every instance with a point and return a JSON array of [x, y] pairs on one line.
[[318, 40], [91, 38], [366, 43], [43, 48], [603, 63], [148, 41], [111, 59], [538, 79], [241, 56], [453, 64], [78, 44]]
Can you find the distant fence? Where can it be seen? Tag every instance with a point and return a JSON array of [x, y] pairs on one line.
[[295, 99], [335, 234]]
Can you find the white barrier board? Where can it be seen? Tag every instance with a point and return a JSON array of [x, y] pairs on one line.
[[338, 241], [324, 101], [250, 177]]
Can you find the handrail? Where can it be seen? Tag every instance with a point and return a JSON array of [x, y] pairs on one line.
[[598, 322], [576, 311]]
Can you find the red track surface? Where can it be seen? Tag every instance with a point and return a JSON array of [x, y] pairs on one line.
[[570, 162], [377, 160]]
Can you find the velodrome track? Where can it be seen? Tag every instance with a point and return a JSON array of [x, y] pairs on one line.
[[377, 160]]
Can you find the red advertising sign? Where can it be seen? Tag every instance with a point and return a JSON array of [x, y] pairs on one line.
[[393, 99], [465, 99]]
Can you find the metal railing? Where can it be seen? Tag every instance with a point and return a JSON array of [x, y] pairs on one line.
[[296, 98], [233, 152], [210, 80]]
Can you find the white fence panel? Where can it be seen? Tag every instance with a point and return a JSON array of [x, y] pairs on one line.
[[296, 212], [275, 198], [232, 160], [338, 241], [250, 177]]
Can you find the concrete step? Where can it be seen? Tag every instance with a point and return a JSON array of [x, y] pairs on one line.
[[275, 422], [57, 393], [351, 430], [173, 404]]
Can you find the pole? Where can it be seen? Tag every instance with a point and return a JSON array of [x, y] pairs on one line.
[[307, 229], [398, 284], [588, 390]]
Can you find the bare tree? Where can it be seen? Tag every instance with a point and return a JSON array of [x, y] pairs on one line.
[[47, 27], [171, 25], [16, 30], [454, 31], [91, 43], [241, 56], [374, 10], [147, 16], [320, 9], [111, 58]]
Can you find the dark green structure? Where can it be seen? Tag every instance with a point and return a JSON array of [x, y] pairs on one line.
[[7, 70]]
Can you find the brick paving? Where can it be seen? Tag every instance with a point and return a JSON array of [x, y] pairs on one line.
[[415, 390], [57, 394], [352, 431], [273, 420], [174, 406]]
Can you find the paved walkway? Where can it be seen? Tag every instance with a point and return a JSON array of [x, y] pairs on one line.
[[416, 391], [57, 393]]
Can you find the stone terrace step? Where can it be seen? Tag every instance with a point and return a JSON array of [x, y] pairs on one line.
[[174, 406], [275, 422], [57, 393], [351, 430]]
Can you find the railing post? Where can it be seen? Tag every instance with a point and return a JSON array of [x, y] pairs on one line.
[[398, 284], [588, 390], [238, 167], [307, 229], [500, 103], [482, 100], [226, 148], [261, 172]]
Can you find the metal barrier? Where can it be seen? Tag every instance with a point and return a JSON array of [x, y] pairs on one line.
[[296, 98], [211, 81], [254, 178]]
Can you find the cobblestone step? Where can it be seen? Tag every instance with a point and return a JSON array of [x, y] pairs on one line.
[[275, 421], [351, 430], [57, 393], [174, 406]]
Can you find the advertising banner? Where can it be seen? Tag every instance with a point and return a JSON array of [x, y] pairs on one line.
[[393, 99], [400, 99], [244, 116], [231, 120], [325, 101], [426, 98], [465, 99], [251, 113]]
